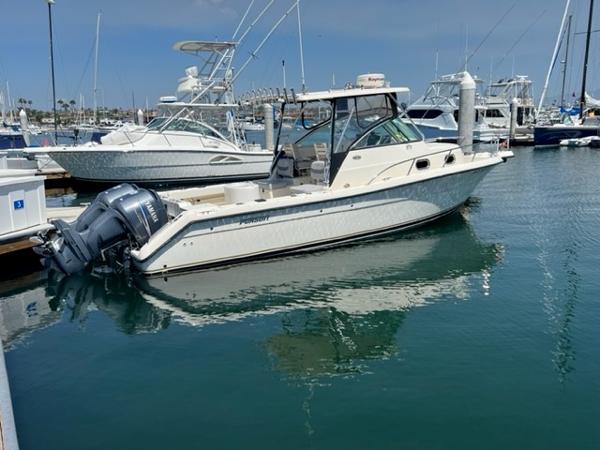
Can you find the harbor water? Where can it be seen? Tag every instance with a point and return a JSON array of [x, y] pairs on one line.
[[479, 331]]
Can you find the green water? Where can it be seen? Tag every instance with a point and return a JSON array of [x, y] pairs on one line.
[[479, 332]]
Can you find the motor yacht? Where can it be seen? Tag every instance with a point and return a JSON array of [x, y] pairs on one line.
[[359, 171], [499, 96], [194, 139], [436, 113]]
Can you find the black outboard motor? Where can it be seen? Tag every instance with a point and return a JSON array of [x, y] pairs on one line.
[[122, 216]]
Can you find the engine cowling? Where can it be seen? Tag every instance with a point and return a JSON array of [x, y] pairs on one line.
[[119, 217]]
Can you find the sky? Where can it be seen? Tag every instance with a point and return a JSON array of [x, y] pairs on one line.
[[342, 38]]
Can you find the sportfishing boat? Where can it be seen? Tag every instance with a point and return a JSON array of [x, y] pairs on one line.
[[194, 139], [436, 113], [499, 96], [360, 171]]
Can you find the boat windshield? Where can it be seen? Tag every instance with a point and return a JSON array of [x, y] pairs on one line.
[[191, 126], [156, 123], [356, 119]]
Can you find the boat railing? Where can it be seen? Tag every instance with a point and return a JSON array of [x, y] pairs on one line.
[[414, 159]]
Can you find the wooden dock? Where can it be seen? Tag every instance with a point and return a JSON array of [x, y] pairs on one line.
[[18, 241]]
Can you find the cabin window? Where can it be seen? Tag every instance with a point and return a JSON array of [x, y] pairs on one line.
[[449, 159], [403, 131], [493, 113], [424, 113], [392, 131], [314, 114], [380, 135], [422, 164], [156, 123], [191, 126]]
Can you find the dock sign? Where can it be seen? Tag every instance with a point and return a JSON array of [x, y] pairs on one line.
[[19, 204]]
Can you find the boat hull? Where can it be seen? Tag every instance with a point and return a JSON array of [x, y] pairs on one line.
[[553, 135], [12, 141], [164, 166], [318, 224]]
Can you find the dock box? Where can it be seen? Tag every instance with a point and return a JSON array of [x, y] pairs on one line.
[[22, 203]]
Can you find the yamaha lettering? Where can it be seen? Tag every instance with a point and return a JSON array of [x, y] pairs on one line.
[[152, 211]]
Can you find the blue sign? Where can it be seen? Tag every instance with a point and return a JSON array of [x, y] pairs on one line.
[[19, 204]]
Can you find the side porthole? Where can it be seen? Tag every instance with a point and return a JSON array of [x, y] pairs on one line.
[[450, 159], [422, 164]]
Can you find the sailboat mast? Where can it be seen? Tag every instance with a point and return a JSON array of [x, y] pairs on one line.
[[553, 60], [585, 60], [96, 70], [564, 80]]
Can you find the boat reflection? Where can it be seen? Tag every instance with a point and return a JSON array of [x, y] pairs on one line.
[[339, 307], [24, 308], [336, 308], [389, 274]]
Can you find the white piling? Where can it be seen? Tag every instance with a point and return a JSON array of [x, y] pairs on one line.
[[25, 127], [140, 117], [466, 118], [514, 109], [269, 127], [7, 420]]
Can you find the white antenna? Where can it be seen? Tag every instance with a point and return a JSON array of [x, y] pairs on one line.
[[437, 61], [333, 80], [283, 67], [2, 107], [513, 67], [8, 101], [301, 49], [554, 56], [466, 46], [96, 69], [491, 73]]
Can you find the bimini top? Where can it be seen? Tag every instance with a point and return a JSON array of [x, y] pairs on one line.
[[203, 46], [352, 92]]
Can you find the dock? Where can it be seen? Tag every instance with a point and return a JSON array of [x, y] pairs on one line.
[[8, 430], [20, 240]]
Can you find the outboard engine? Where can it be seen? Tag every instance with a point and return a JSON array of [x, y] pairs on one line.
[[120, 217]]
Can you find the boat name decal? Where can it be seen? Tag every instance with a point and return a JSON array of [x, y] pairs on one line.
[[252, 220]]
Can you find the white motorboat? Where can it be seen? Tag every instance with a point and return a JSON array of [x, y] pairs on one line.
[[196, 138], [590, 141], [436, 113], [359, 172], [498, 99]]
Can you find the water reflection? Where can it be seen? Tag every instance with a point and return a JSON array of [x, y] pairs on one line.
[[390, 274], [337, 309], [114, 295], [24, 308]]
